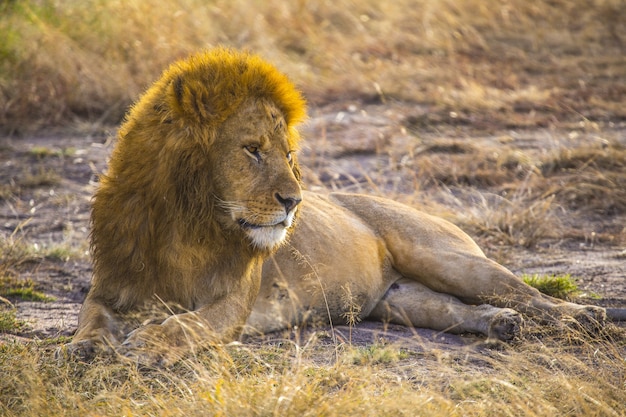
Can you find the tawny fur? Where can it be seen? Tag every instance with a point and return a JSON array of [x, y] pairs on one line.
[[395, 264]]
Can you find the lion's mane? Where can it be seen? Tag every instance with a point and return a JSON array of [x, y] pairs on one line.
[[153, 224]]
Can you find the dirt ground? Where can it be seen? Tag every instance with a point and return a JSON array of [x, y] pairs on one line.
[[46, 182]]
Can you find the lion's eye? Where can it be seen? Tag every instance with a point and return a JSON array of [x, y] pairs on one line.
[[289, 156], [253, 151]]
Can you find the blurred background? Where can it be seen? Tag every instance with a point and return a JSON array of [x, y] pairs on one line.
[[500, 62]]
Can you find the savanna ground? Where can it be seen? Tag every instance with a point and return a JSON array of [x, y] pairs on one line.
[[506, 117]]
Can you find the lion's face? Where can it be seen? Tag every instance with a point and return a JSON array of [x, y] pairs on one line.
[[256, 188]]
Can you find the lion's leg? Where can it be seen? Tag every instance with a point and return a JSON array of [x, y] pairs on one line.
[[476, 279], [409, 302], [441, 256], [218, 321], [180, 334], [99, 330]]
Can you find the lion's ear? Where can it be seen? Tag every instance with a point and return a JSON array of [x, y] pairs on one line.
[[178, 89], [188, 101]]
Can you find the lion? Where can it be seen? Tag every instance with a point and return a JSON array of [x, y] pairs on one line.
[[201, 231]]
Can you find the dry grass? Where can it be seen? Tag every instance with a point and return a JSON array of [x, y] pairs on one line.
[[69, 61], [563, 373], [507, 195], [589, 178]]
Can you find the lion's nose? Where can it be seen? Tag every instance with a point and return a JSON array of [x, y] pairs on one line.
[[288, 202]]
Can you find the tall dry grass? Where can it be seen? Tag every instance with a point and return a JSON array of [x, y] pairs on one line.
[[88, 60], [562, 373]]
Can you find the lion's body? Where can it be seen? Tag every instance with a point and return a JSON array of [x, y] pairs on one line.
[[354, 257], [331, 252], [203, 187]]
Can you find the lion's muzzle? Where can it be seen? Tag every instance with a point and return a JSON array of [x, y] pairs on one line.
[[271, 233]]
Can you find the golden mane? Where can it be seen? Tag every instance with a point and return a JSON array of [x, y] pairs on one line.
[[155, 205], [205, 89]]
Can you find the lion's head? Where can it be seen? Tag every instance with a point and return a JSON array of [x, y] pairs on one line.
[[220, 128], [257, 190], [204, 166]]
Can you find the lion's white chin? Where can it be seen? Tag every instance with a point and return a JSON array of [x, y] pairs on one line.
[[267, 237], [270, 236]]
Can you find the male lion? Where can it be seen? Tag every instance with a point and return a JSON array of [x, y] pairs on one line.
[[203, 186]]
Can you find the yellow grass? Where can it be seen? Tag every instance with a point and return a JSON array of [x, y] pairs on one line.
[[68, 61], [563, 373]]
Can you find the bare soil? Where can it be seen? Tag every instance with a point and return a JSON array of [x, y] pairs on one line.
[[46, 182]]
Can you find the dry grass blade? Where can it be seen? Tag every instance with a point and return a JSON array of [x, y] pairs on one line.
[[475, 68], [588, 179]]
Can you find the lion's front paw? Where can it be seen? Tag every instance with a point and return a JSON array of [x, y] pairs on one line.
[[154, 345], [83, 350], [505, 325]]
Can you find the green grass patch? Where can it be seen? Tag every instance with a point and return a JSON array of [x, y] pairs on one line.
[[54, 341], [23, 289], [9, 322], [41, 152], [558, 286], [377, 355]]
